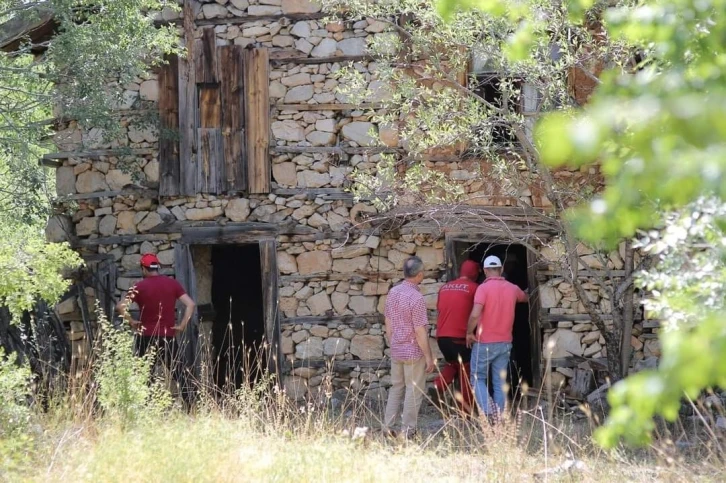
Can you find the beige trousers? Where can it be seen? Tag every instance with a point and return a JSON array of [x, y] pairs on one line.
[[408, 385]]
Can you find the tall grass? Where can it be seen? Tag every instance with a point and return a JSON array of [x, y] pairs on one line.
[[116, 423]]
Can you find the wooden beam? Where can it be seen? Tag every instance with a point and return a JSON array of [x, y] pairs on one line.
[[230, 233], [238, 20], [357, 277], [293, 58], [100, 152], [327, 107], [345, 366], [582, 273], [123, 239], [146, 192], [49, 163], [356, 321], [576, 361], [313, 193], [332, 150], [270, 303], [137, 273]]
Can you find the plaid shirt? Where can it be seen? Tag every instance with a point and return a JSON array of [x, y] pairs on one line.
[[405, 310]]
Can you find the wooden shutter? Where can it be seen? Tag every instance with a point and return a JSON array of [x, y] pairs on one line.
[[257, 118], [233, 118], [188, 113], [169, 127]]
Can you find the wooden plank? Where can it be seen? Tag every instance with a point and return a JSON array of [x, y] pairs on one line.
[[355, 321], [188, 114], [576, 361], [169, 127], [257, 119], [148, 193], [342, 366], [230, 233], [121, 240], [361, 275], [327, 107], [205, 58], [233, 117], [210, 106], [96, 153], [188, 340], [332, 150], [244, 19], [210, 174], [583, 273], [293, 58], [49, 163], [270, 301], [535, 327]]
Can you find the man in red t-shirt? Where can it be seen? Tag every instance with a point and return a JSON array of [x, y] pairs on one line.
[[156, 296], [455, 301], [490, 329]]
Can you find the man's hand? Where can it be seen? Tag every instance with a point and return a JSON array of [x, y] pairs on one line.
[[470, 339], [430, 365], [179, 328], [135, 324]]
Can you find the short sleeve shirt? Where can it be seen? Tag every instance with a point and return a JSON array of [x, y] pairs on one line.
[[499, 299], [454, 304], [156, 297], [405, 309]]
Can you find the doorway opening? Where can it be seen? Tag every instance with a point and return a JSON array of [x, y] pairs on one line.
[[524, 359], [238, 326]]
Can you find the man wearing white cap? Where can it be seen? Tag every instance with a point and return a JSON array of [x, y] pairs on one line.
[[490, 330]]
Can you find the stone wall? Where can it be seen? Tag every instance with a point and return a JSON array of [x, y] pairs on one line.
[[332, 289]]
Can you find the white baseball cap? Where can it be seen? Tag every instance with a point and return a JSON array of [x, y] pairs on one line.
[[492, 262]]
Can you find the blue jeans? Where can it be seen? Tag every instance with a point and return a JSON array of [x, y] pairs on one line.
[[494, 356]]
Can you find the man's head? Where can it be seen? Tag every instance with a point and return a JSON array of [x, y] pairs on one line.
[[469, 269], [492, 266], [149, 265], [413, 270]]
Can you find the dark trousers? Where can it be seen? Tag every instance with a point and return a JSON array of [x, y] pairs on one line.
[[457, 356], [167, 353]]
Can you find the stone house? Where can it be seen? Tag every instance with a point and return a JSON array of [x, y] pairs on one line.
[[241, 191]]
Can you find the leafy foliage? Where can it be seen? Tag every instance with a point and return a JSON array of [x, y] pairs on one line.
[[31, 268], [15, 415], [127, 391]]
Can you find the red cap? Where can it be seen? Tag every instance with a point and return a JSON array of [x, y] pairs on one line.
[[470, 270], [149, 260]]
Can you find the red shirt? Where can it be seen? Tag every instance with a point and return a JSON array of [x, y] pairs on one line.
[[405, 310], [156, 297], [498, 298], [455, 302]]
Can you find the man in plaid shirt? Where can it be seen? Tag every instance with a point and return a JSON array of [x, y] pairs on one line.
[[411, 357]]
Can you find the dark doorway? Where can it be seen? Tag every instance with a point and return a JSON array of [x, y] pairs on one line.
[[514, 260], [238, 331]]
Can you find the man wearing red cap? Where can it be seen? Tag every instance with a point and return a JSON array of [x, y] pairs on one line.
[[156, 296], [455, 301]]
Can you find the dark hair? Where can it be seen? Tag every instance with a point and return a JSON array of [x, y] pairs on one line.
[[412, 267]]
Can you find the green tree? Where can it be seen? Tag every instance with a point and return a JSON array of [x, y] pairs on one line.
[[436, 106], [660, 137], [75, 72]]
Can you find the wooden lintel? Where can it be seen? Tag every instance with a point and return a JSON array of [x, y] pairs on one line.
[[312, 193], [293, 58], [356, 321], [123, 239], [341, 366], [230, 233], [357, 277], [293, 17], [146, 192], [326, 107], [576, 361], [332, 150], [583, 273], [49, 163], [99, 152]]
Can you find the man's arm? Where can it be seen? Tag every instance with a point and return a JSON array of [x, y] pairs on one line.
[[188, 312], [122, 309], [422, 338], [522, 296], [473, 322], [389, 334]]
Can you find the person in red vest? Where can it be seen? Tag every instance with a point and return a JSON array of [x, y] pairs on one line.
[[156, 296], [456, 299]]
